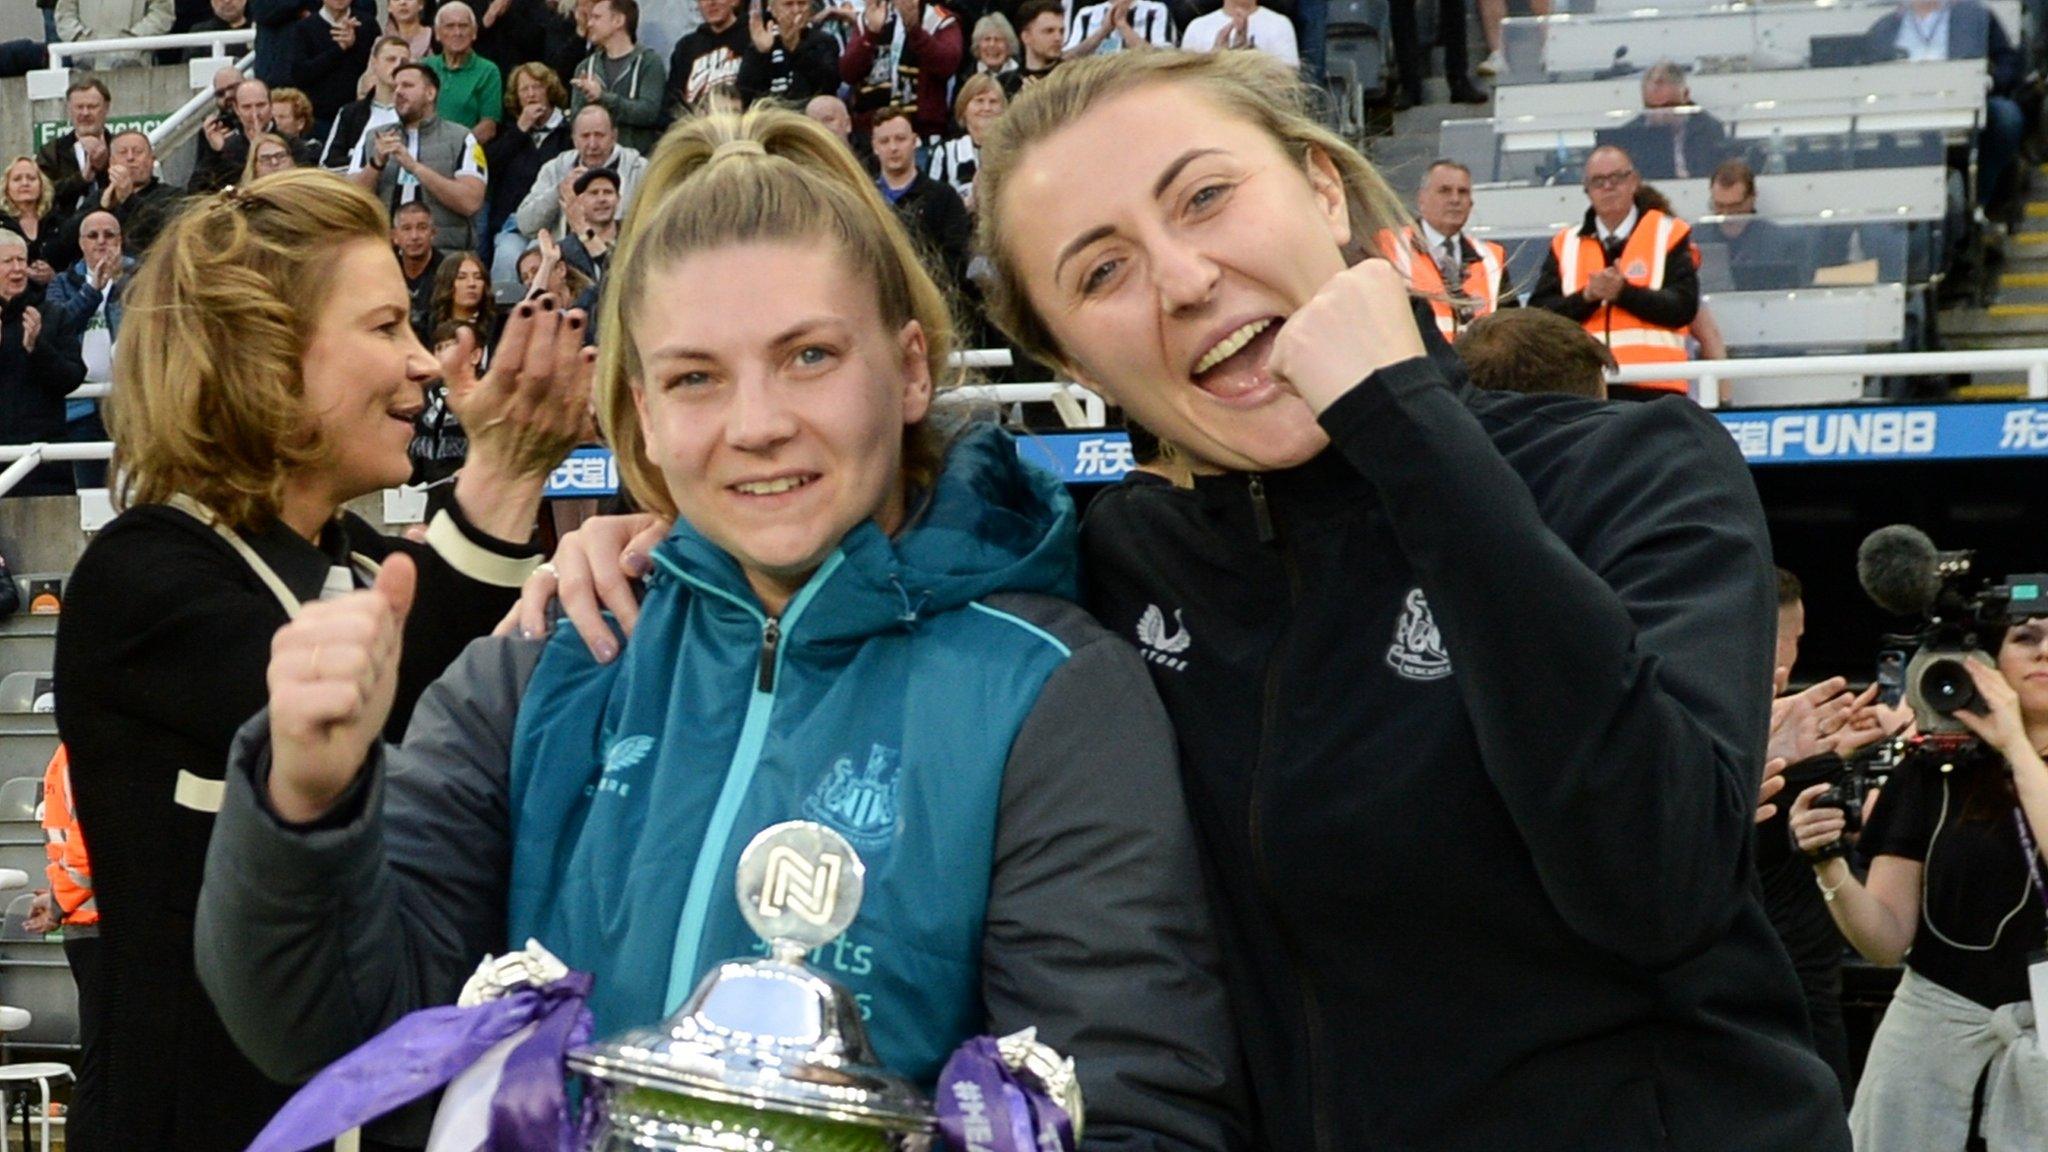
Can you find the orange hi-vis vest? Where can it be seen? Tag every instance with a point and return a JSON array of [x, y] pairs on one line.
[[1632, 339], [69, 871], [1419, 268]]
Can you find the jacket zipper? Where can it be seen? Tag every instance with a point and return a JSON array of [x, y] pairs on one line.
[[705, 879], [1269, 716], [771, 637]]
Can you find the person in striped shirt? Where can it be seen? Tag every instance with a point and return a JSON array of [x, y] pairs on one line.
[[980, 102], [1118, 25]]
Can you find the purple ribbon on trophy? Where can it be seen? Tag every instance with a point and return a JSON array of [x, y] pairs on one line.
[[427, 1049], [998, 1096]]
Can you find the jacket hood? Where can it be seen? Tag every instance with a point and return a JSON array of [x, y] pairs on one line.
[[991, 524]]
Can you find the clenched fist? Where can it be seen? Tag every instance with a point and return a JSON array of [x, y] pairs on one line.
[[333, 672], [1357, 324]]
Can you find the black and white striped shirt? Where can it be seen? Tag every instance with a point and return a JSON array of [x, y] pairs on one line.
[[953, 162], [1151, 19]]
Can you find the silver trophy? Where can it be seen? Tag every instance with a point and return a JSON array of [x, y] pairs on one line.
[[765, 1055]]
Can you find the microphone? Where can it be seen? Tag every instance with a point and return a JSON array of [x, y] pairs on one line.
[[1901, 570]]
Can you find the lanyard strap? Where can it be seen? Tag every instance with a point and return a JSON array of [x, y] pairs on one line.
[[2019, 821]]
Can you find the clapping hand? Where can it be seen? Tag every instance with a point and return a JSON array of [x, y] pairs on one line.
[[528, 411], [1605, 286], [31, 328], [589, 85], [757, 29], [95, 153], [344, 33], [1804, 724]]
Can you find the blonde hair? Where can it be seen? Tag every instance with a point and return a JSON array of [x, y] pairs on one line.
[[546, 77], [256, 143], [208, 383], [1250, 86], [767, 175], [974, 86], [300, 104], [43, 201]]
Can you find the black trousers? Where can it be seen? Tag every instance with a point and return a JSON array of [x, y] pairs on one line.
[[1413, 61], [80, 1124]]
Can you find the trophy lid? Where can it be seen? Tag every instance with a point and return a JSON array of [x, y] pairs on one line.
[[774, 1034]]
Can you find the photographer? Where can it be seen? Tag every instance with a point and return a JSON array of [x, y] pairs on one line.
[[1953, 844]]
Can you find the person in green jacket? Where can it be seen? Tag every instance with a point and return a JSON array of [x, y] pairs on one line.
[[619, 74]]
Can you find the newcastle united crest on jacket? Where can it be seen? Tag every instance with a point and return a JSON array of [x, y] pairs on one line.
[[1418, 649], [860, 803], [1160, 646]]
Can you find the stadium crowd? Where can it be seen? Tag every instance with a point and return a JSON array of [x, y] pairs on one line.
[[426, 245]]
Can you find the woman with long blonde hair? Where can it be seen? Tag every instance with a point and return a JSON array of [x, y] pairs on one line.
[[861, 618], [1471, 689]]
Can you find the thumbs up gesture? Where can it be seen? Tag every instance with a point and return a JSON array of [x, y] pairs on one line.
[[333, 672]]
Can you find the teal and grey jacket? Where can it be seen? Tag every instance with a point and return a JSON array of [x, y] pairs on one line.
[[1001, 763]]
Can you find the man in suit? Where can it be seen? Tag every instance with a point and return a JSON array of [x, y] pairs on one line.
[[78, 157], [1933, 30]]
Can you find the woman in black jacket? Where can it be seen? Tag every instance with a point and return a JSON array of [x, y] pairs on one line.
[[268, 375], [537, 129], [1471, 688]]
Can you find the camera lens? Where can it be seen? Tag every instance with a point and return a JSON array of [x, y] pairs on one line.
[[1946, 687]]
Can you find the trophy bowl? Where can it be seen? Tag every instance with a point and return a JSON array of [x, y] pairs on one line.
[[767, 1055]]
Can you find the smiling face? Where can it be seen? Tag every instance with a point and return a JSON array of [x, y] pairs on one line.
[[983, 110], [365, 377], [600, 203], [1164, 279], [777, 427], [2023, 659], [992, 50]]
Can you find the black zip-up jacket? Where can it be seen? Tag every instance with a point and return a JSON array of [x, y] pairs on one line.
[[1472, 712]]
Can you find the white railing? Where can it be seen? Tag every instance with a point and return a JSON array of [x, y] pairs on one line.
[[1082, 408], [28, 457], [171, 131], [219, 41], [1706, 376]]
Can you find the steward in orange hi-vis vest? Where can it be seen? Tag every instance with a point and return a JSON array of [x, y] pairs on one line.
[[1478, 294], [69, 871], [1646, 260]]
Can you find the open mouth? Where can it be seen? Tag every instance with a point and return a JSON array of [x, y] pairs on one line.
[[775, 486], [1236, 366]]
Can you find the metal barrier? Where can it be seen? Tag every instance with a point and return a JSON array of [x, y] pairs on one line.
[[1706, 377], [49, 83]]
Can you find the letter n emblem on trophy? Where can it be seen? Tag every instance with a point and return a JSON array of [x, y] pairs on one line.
[[798, 885]]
